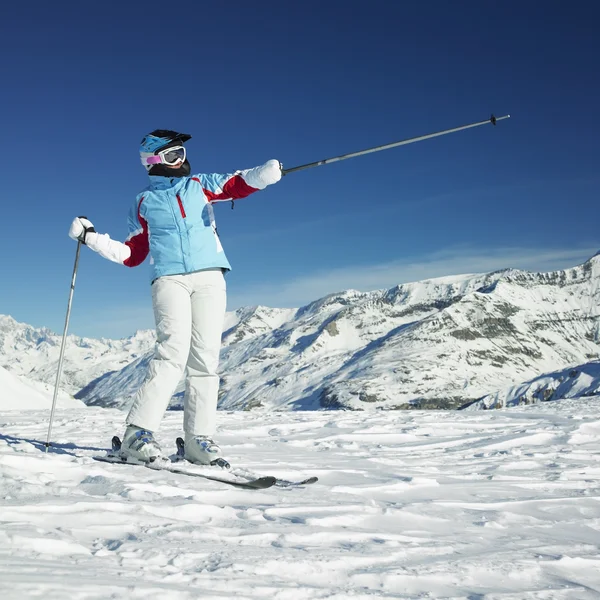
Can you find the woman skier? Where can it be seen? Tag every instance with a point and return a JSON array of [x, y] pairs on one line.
[[173, 221]]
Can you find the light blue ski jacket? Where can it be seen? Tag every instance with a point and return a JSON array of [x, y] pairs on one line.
[[173, 219]]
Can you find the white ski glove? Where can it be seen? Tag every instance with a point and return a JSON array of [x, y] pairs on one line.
[[80, 227], [272, 171], [260, 177]]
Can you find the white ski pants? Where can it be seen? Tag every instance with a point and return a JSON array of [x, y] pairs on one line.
[[189, 311]]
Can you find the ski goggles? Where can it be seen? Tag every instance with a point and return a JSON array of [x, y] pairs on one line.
[[169, 156]]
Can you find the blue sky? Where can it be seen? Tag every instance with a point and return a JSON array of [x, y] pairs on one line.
[[298, 82]]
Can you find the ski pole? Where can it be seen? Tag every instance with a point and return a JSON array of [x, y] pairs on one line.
[[493, 120], [62, 346]]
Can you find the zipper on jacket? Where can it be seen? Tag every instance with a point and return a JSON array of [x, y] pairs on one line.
[[181, 206]]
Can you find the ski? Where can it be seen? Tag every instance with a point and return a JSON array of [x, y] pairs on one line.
[[242, 478], [165, 464], [260, 483], [245, 473]]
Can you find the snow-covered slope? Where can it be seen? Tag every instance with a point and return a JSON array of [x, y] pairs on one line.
[[18, 394], [498, 505]]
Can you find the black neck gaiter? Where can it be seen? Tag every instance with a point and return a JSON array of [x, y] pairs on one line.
[[161, 170]]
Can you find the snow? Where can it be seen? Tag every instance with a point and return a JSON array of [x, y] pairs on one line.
[[501, 504], [17, 394]]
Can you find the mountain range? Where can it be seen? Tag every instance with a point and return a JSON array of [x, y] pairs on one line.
[[440, 343]]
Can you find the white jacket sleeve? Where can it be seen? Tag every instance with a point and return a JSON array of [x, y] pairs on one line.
[[107, 248]]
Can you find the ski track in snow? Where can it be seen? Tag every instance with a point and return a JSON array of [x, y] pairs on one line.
[[494, 505]]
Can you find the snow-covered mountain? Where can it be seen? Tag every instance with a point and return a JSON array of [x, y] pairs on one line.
[[33, 353], [572, 382], [432, 344], [438, 343]]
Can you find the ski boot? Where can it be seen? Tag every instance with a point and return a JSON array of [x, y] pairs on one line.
[[139, 445], [201, 450]]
